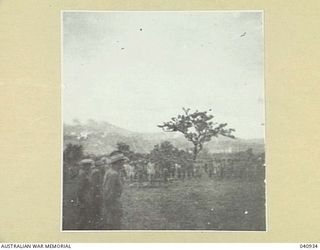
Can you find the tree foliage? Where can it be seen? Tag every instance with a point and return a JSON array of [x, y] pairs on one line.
[[162, 150], [166, 155], [126, 151], [197, 127], [123, 147], [72, 153]]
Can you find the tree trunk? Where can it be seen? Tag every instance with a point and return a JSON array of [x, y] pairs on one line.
[[195, 152]]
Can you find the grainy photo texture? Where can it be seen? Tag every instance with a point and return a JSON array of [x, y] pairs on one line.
[[163, 121]]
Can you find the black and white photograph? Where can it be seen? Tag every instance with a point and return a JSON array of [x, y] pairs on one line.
[[163, 121]]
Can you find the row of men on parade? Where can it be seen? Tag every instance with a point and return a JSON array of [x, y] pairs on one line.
[[148, 171], [144, 170]]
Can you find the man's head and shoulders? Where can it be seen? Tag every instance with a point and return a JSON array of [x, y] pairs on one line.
[[117, 161], [85, 166]]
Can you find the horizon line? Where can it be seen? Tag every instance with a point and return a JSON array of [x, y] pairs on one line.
[[148, 132]]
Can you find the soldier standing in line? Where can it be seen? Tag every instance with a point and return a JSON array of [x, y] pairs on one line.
[[178, 169], [140, 174], [84, 195], [111, 192], [165, 174], [96, 183], [210, 169], [221, 169]]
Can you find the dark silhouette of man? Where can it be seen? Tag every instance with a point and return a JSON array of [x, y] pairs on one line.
[[84, 198], [111, 192]]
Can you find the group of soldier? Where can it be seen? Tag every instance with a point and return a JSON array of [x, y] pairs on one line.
[[98, 194], [219, 168], [101, 182]]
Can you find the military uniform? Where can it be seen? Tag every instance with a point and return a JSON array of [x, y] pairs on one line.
[[165, 174], [96, 206], [140, 172], [112, 189], [210, 169], [84, 200]]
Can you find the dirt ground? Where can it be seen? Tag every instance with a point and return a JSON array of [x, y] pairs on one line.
[[194, 204]]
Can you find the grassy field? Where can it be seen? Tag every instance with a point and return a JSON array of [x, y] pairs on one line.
[[195, 204]]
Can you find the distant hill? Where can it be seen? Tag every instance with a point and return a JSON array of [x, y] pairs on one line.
[[102, 137]]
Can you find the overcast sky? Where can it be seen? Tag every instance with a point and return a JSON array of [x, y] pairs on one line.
[[138, 69]]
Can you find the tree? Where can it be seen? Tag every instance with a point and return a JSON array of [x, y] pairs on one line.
[[197, 127], [164, 154], [72, 153], [123, 147], [126, 151]]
